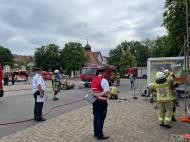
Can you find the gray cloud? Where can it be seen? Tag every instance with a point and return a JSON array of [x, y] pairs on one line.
[[28, 24]]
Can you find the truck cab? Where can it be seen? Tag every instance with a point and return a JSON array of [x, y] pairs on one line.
[[89, 72]]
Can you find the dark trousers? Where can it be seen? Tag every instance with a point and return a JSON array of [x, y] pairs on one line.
[[99, 111], [37, 107]]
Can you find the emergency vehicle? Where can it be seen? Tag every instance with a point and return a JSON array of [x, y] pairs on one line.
[[139, 72], [89, 72], [20, 75], [47, 75]]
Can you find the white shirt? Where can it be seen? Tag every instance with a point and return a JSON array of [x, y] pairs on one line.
[[38, 80], [105, 85]]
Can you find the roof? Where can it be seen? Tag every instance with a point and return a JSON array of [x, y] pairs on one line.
[[92, 57]]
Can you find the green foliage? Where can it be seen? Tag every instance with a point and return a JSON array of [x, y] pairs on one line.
[[175, 23], [6, 57], [48, 57], [115, 56], [128, 60], [72, 57], [129, 54], [161, 47]]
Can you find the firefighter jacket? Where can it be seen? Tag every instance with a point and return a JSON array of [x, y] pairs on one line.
[[163, 90], [171, 76]]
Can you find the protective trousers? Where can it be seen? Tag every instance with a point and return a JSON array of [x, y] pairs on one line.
[[99, 111], [165, 110]]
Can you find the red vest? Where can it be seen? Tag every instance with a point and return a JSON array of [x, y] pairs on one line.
[[97, 88], [96, 85]]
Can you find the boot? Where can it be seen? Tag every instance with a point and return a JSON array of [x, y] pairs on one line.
[[168, 126], [151, 100], [162, 125], [173, 118], [55, 98]]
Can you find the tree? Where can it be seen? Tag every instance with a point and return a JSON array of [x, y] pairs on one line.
[[128, 60], [138, 50], [161, 47], [73, 57], [115, 56], [6, 57], [175, 23], [48, 57]]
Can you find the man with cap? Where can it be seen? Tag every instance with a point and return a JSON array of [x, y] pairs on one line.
[[100, 88], [39, 87]]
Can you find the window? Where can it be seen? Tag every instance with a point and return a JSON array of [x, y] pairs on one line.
[[88, 71]]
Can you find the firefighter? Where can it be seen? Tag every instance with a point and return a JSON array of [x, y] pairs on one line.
[[113, 78], [118, 79], [114, 91], [164, 100], [56, 83], [170, 75], [132, 80]]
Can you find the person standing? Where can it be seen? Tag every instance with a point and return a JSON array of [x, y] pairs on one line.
[[1, 81], [164, 101], [100, 88], [39, 87], [27, 81], [56, 83], [132, 80], [13, 78]]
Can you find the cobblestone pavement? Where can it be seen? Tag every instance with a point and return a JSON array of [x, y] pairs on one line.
[[127, 121]]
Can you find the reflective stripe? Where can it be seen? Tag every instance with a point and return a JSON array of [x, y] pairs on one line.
[[160, 118], [167, 119]]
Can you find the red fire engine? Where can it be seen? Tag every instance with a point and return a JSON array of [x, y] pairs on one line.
[[139, 72], [89, 72]]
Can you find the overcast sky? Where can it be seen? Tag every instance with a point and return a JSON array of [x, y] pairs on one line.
[[28, 24]]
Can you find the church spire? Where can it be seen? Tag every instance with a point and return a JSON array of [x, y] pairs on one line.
[[87, 46]]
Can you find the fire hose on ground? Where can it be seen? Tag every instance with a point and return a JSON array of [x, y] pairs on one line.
[[45, 114]]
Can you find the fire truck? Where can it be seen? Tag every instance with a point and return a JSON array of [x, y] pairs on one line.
[[139, 72], [47, 75], [19, 75], [89, 72]]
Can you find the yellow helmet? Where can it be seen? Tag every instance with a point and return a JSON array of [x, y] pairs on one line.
[[160, 75]]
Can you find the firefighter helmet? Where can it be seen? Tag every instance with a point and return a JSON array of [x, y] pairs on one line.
[[56, 71], [160, 75], [166, 71]]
